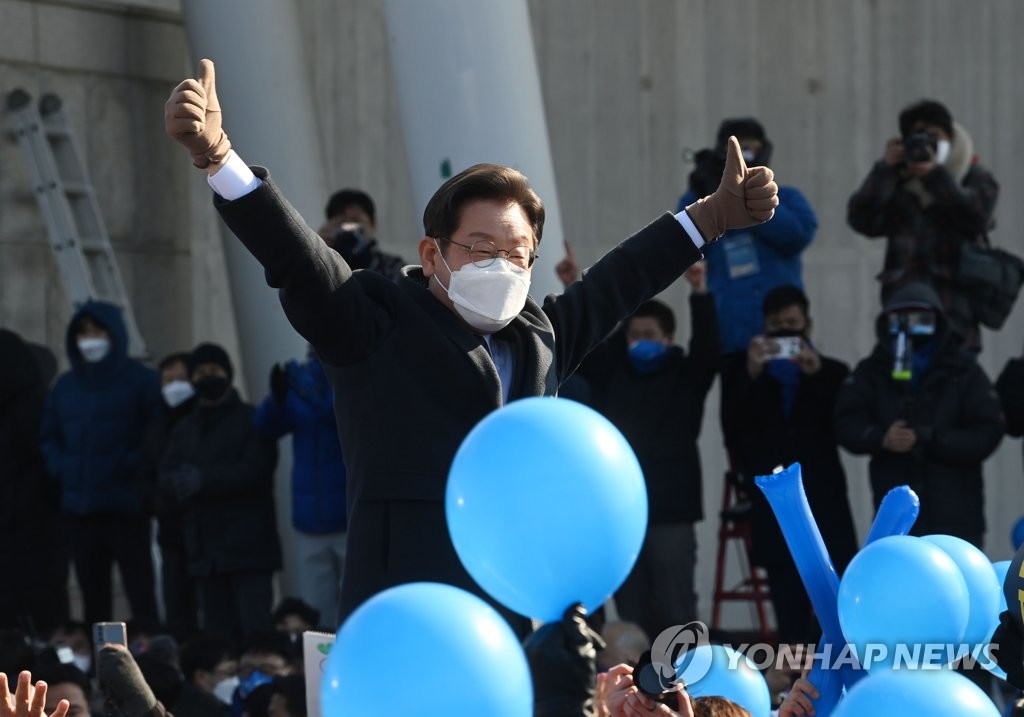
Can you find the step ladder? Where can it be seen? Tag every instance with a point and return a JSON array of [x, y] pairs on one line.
[[735, 528], [81, 246]]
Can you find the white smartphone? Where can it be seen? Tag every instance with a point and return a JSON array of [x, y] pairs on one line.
[[785, 347], [108, 633]]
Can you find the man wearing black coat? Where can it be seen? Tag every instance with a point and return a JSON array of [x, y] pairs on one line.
[[416, 363], [781, 412], [221, 473], [926, 413], [654, 393]]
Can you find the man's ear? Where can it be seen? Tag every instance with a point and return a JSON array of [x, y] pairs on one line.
[[429, 256]]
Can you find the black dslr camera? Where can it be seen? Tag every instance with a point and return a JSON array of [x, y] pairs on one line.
[[650, 683], [919, 147]]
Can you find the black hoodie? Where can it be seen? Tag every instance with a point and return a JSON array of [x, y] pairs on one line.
[[954, 412]]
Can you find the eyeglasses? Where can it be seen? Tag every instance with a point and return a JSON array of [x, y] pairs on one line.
[[483, 253]]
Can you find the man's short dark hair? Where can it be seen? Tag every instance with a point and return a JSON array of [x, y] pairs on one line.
[[294, 606], [658, 311], [60, 673], [167, 361], [929, 112], [293, 689], [783, 297], [345, 198], [269, 642], [204, 652], [481, 181]]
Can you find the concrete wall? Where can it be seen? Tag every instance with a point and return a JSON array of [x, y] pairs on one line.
[[629, 85]]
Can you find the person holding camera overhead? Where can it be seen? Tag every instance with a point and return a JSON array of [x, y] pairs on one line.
[[928, 196]]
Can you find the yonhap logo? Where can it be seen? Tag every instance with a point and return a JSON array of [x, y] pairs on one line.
[[675, 657]]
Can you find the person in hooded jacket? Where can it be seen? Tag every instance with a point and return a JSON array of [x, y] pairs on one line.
[[93, 435], [927, 196], [29, 498], [301, 403], [926, 413], [654, 391], [220, 472]]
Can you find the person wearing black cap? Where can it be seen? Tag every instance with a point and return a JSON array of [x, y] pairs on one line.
[[926, 413], [928, 196], [747, 263], [221, 473]]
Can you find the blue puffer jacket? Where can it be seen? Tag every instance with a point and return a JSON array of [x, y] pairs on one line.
[[777, 246], [95, 420], [318, 473]]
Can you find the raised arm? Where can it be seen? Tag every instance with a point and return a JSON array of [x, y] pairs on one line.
[[335, 314]]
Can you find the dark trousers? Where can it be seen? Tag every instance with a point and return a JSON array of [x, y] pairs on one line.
[[659, 592], [96, 542], [179, 591], [236, 604]]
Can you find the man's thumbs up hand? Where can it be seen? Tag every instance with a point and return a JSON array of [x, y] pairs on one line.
[[745, 196], [192, 117]]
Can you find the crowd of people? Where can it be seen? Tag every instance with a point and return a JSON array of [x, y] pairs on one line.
[[91, 459]]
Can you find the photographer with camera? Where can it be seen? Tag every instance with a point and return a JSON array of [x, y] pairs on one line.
[[351, 230], [928, 196]]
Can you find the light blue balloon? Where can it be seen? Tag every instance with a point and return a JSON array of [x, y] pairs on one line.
[[546, 506], [1001, 568], [901, 601], [914, 693], [730, 675], [983, 586], [423, 650]]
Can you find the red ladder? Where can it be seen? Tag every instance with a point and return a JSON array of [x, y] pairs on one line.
[[753, 588]]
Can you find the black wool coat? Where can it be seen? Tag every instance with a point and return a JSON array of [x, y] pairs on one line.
[[411, 379]]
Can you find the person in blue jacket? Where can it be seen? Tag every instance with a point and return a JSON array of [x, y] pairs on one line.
[[301, 403], [94, 426], [746, 264]]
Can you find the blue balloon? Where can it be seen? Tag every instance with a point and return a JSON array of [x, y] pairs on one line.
[[730, 674], [1001, 568], [1017, 534], [903, 601], [546, 506], [935, 693], [426, 649], [982, 585], [785, 494]]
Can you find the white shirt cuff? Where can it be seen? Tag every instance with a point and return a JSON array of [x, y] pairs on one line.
[[688, 226], [234, 180]]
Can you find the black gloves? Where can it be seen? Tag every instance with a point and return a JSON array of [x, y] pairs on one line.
[[186, 481], [279, 383], [1009, 650], [123, 684], [562, 663]]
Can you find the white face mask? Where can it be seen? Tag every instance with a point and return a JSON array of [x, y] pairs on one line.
[[488, 298], [94, 350], [942, 151], [749, 155], [177, 392], [225, 689], [82, 662]]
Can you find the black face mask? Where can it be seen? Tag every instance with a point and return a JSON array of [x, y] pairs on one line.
[[785, 333], [211, 388]]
